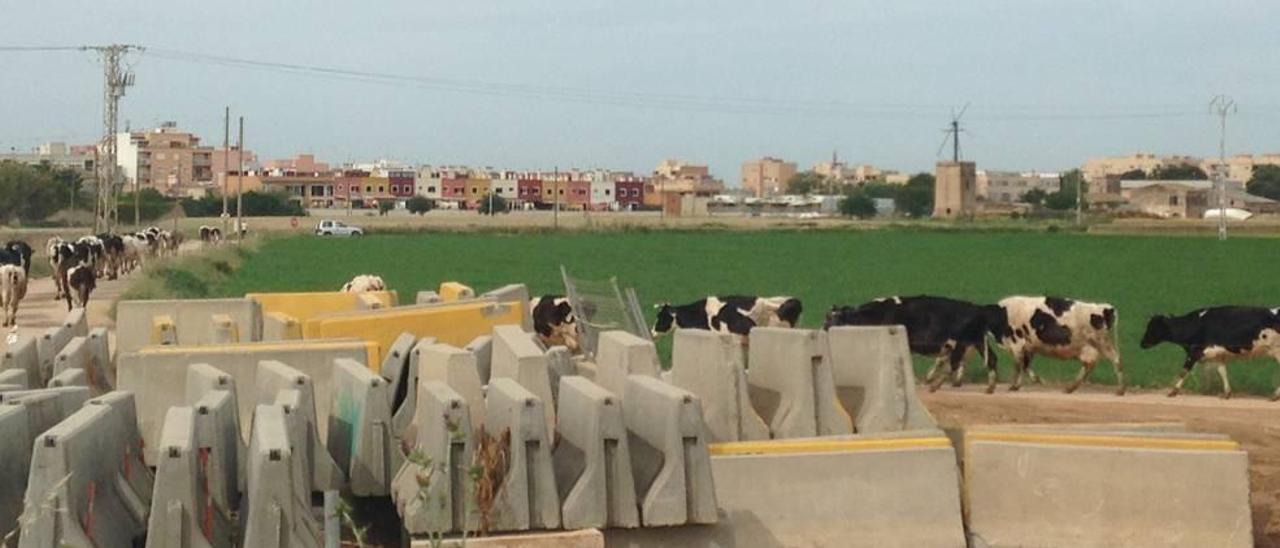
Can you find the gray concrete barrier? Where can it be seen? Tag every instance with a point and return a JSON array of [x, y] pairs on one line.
[[482, 347], [401, 372], [62, 402], [432, 491], [516, 356], [513, 293], [791, 385], [71, 377], [48, 344], [621, 354], [183, 514], [895, 490], [212, 393], [100, 352], [668, 454], [156, 373], [278, 326], [457, 368], [560, 364], [23, 355], [359, 436], [710, 365], [15, 378], [76, 321], [874, 379], [1031, 488], [225, 330], [528, 498], [593, 458], [193, 321], [280, 384], [21, 420], [88, 485], [276, 504], [78, 354]]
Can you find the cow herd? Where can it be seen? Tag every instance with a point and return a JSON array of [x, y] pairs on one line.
[[951, 330], [78, 264]]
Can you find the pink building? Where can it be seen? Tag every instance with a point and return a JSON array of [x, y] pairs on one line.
[[302, 163]]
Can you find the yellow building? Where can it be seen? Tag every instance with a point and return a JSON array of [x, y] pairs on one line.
[[767, 176]]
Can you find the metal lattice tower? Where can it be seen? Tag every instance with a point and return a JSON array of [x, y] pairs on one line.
[[116, 80], [1222, 106]]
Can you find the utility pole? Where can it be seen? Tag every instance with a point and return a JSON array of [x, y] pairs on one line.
[[116, 81], [1222, 105], [226, 163], [240, 185], [97, 192], [555, 212]]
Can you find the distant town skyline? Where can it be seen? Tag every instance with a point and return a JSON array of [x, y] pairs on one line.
[[579, 84]]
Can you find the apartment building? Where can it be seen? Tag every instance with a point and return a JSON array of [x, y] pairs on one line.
[[1007, 187], [767, 176], [165, 158]]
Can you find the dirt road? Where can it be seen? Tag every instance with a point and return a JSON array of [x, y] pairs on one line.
[[1254, 422]]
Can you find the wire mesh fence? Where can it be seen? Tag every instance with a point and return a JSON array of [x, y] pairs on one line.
[[601, 305]]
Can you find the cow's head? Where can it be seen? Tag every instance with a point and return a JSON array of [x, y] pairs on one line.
[[666, 319], [1157, 331], [835, 316], [566, 325], [789, 312]]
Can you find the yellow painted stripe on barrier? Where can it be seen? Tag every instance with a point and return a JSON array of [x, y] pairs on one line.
[[369, 346], [783, 447], [1103, 441]]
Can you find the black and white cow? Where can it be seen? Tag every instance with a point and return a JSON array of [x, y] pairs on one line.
[[13, 287], [554, 321], [947, 330], [732, 314], [81, 281], [113, 254], [1060, 328], [17, 253], [1218, 334]]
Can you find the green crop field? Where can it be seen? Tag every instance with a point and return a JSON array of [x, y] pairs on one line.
[[1141, 275]]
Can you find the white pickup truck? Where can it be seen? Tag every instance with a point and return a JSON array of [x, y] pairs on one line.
[[337, 228]]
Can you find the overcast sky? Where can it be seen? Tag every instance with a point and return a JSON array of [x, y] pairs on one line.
[[611, 84]]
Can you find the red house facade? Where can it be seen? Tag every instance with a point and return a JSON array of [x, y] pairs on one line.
[[628, 193]]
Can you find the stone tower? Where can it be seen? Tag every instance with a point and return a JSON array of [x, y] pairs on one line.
[[955, 190]]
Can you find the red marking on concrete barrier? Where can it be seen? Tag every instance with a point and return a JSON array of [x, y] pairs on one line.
[[87, 524]]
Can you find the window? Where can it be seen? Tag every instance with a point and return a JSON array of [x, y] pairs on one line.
[[431, 189], [368, 189], [1173, 200], [606, 192], [381, 188]]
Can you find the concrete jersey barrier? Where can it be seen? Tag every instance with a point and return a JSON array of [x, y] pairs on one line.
[[516, 356], [279, 384], [359, 435], [1027, 488], [49, 343], [192, 321], [302, 306], [443, 437], [276, 509], [457, 368], [621, 354], [791, 384], [23, 355], [155, 373], [710, 365], [874, 379], [593, 458], [450, 323], [669, 458], [528, 498], [182, 510]]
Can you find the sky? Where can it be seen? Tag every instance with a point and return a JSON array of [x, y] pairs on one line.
[[623, 85]]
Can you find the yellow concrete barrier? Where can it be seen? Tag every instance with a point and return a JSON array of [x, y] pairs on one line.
[[454, 323], [453, 292], [307, 305]]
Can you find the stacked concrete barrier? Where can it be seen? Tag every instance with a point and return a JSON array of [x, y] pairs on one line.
[[212, 393], [401, 371], [88, 484], [560, 364], [874, 379], [77, 322], [593, 458], [427, 297], [48, 344], [791, 384], [528, 498], [282, 385], [277, 326], [513, 293], [15, 379], [450, 323], [276, 509], [182, 509], [360, 437], [225, 330], [621, 354], [152, 373], [454, 292], [100, 353], [669, 456], [457, 368], [897, 490], [443, 440], [302, 306], [191, 321], [710, 365], [70, 377], [23, 355], [79, 354], [22, 419], [482, 347], [516, 356], [1169, 489]]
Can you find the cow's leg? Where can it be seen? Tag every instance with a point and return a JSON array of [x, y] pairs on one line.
[[1193, 356], [958, 356], [1275, 354], [1088, 360], [989, 357], [936, 377], [933, 371], [1114, 356], [1226, 384], [1022, 364]]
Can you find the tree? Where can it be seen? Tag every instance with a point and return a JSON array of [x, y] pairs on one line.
[[385, 207], [256, 204], [1133, 175], [1265, 182], [805, 182], [1070, 185], [858, 204], [1034, 197], [151, 203], [1177, 172], [915, 199], [32, 193], [499, 205], [419, 205]]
